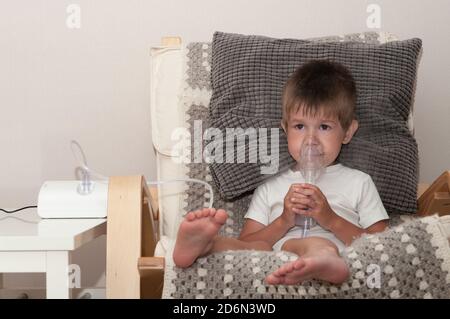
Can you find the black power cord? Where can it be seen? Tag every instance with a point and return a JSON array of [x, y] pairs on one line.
[[16, 210]]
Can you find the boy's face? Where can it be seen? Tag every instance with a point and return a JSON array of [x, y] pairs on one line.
[[326, 131]]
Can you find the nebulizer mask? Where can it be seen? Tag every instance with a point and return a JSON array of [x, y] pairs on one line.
[[311, 164]]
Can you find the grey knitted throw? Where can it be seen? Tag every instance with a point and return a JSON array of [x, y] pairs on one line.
[[409, 260]]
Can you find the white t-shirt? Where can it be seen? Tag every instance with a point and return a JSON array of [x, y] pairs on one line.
[[351, 194]]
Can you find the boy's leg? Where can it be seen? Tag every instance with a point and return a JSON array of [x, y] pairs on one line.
[[197, 236], [319, 259]]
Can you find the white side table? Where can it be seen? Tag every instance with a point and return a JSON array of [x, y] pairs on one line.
[[31, 244]]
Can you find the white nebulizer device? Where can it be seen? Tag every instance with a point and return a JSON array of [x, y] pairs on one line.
[[87, 197], [311, 165]]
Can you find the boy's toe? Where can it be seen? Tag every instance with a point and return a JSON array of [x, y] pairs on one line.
[[190, 216], [198, 213], [221, 216], [299, 264], [205, 212], [273, 279]]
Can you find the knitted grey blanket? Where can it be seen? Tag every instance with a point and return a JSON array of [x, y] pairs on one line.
[[411, 260]]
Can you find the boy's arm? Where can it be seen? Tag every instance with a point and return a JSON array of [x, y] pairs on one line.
[[255, 231], [347, 232], [321, 211]]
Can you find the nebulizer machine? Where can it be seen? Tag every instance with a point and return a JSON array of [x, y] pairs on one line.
[[86, 197], [311, 164]]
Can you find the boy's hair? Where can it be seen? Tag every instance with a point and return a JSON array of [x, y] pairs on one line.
[[321, 86]]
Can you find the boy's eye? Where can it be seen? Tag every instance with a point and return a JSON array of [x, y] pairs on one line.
[[299, 126], [325, 127]]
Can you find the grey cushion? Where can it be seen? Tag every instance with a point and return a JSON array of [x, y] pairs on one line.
[[247, 76]]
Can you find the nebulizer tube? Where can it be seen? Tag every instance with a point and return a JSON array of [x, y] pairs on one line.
[[86, 185], [193, 180], [311, 164]]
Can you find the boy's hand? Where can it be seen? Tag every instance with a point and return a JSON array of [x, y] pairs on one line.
[[292, 205], [315, 205]]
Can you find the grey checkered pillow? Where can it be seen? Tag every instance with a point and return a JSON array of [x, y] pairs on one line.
[[247, 77]]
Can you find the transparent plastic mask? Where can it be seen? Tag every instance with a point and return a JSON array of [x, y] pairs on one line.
[[311, 165]]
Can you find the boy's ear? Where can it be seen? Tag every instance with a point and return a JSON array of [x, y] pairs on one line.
[[350, 132], [283, 126]]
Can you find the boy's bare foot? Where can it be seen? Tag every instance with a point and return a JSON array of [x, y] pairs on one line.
[[196, 235], [323, 265]]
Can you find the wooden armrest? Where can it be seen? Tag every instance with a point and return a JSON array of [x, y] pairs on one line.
[[151, 270], [154, 201], [421, 188], [436, 198], [150, 263], [132, 233]]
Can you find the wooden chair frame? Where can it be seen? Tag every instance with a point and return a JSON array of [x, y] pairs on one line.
[[132, 235], [436, 198]]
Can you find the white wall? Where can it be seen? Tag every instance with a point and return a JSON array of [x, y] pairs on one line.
[[92, 83]]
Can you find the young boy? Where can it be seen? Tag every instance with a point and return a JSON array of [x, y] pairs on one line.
[[318, 105]]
